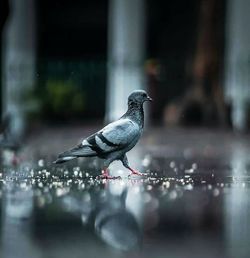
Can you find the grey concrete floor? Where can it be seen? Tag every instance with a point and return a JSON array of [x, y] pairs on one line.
[[193, 201]]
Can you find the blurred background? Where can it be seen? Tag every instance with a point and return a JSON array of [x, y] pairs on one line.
[[77, 63], [67, 68]]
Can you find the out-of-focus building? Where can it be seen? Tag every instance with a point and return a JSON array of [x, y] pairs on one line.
[[237, 61], [64, 61], [18, 62]]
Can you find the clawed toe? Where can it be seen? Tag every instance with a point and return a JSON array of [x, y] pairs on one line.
[[137, 173]]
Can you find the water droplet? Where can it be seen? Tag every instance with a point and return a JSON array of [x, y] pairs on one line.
[[149, 187], [41, 163], [188, 187], [40, 184], [166, 184]]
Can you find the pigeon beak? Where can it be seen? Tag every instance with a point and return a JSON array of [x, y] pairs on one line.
[[149, 99]]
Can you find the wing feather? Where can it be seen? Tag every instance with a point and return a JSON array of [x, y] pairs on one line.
[[114, 136]]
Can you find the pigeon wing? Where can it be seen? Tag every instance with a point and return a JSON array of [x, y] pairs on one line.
[[113, 137]]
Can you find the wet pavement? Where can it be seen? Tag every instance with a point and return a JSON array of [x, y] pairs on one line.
[[193, 201]]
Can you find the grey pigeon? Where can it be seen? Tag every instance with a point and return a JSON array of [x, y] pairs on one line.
[[114, 140]]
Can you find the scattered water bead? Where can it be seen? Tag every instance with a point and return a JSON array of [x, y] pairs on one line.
[[57, 184], [149, 187], [23, 185], [189, 187], [40, 184], [41, 163], [166, 184], [189, 171], [61, 191]]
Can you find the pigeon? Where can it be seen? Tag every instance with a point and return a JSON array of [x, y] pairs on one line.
[[114, 140]]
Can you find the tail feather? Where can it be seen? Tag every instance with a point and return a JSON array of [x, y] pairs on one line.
[[79, 151], [63, 159]]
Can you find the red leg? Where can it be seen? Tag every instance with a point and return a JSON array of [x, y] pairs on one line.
[[105, 175], [134, 172]]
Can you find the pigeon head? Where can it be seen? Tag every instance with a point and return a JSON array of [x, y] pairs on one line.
[[138, 97]]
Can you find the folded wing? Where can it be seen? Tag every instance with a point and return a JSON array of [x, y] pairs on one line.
[[113, 137]]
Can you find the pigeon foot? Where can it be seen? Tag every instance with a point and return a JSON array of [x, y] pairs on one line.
[[134, 172]]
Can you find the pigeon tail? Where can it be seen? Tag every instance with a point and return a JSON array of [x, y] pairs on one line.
[[63, 159], [78, 151]]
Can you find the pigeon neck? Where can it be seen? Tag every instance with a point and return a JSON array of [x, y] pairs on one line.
[[135, 112]]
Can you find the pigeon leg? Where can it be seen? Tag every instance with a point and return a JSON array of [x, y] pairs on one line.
[[105, 175], [126, 165]]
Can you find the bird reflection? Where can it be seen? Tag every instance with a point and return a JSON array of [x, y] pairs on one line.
[[110, 216], [115, 225]]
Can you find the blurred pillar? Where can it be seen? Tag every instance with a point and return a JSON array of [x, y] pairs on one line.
[[237, 206], [237, 65], [125, 54], [18, 62], [207, 87]]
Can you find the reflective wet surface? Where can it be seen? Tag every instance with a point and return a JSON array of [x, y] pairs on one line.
[[193, 202]]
